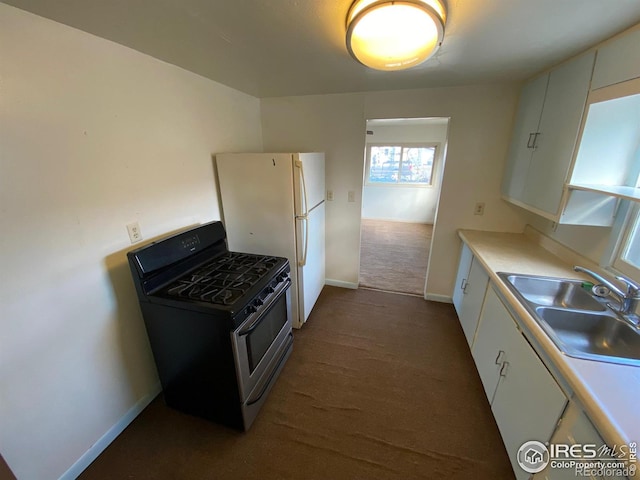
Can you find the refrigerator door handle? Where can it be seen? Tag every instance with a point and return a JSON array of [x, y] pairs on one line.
[[304, 217], [303, 261], [304, 188]]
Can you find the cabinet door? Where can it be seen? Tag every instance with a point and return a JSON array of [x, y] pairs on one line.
[[473, 297], [617, 61], [575, 429], [489, 346], [528, 402], [526, 125], [564, 105], [461, 278], [525, 399]]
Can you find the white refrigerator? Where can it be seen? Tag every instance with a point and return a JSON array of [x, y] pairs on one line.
[[273, 204]]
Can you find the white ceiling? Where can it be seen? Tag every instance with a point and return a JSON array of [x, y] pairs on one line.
[[296, 47]]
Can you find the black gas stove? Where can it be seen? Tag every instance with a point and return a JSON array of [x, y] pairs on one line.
[[219, 322]]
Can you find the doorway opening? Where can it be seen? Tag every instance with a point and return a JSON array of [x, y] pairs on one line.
[[404, 165]]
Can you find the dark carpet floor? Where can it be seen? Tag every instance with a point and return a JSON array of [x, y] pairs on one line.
[[394, 255], [379, 386]]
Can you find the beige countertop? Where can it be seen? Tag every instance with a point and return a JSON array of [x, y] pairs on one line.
[[609, 393]]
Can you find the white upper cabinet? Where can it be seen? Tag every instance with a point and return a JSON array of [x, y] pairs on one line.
[[520, 151], [547, 125], [559, 126], [618, 61], [574, 149]]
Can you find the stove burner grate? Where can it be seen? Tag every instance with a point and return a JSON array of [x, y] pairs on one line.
[[224, 279]]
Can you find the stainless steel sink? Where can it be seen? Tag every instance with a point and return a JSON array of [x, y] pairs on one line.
[[554, 292], [577, 322], [595, 334]]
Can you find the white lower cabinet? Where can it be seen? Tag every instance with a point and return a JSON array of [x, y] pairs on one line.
[[464, 265], [575, 429], [468, 295], [525, 399]]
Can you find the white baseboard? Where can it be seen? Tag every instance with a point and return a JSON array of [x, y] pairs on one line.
[[341, 284], [97, 448], [434, 297]]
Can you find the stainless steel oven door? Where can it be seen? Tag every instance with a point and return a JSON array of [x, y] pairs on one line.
[[259, 339]]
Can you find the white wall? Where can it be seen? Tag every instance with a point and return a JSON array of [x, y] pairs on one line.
[[334, 124], [481, 119], [93, 136], [406, 203], [590, 242]]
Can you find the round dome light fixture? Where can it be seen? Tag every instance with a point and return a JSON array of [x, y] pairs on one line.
[[394, 35]]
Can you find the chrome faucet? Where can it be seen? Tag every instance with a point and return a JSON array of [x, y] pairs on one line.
[[629, 298]]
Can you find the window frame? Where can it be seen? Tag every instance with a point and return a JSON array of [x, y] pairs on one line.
[[623, 233], [436, 154]]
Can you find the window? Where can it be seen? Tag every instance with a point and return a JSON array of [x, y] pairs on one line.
[[403, 164], [627, 255]]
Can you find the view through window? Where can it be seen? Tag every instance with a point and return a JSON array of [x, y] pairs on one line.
[[627, 259], [401, 164]]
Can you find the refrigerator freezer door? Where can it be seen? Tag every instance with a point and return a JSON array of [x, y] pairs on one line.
[[309, 184], [311, 276], [257, 203], [256, 190]]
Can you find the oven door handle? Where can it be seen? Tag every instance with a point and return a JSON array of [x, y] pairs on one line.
[[273, 372], [274, 297]]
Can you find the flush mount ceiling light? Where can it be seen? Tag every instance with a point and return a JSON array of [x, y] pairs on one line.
[[394, 35]]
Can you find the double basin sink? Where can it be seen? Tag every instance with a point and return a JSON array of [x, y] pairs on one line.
[[579, 323]]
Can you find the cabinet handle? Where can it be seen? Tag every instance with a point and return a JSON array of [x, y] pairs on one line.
[[503, 370], [463, 284], [535, 140], [529, 141], [499, 357]]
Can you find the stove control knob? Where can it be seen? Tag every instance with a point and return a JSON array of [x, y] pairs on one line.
[[270, 290], [258, 303], [251, 309]]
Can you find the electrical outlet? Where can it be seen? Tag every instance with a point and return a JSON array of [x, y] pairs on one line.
[[479, 209], [134, 232], [351, 197], [329, 195]]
